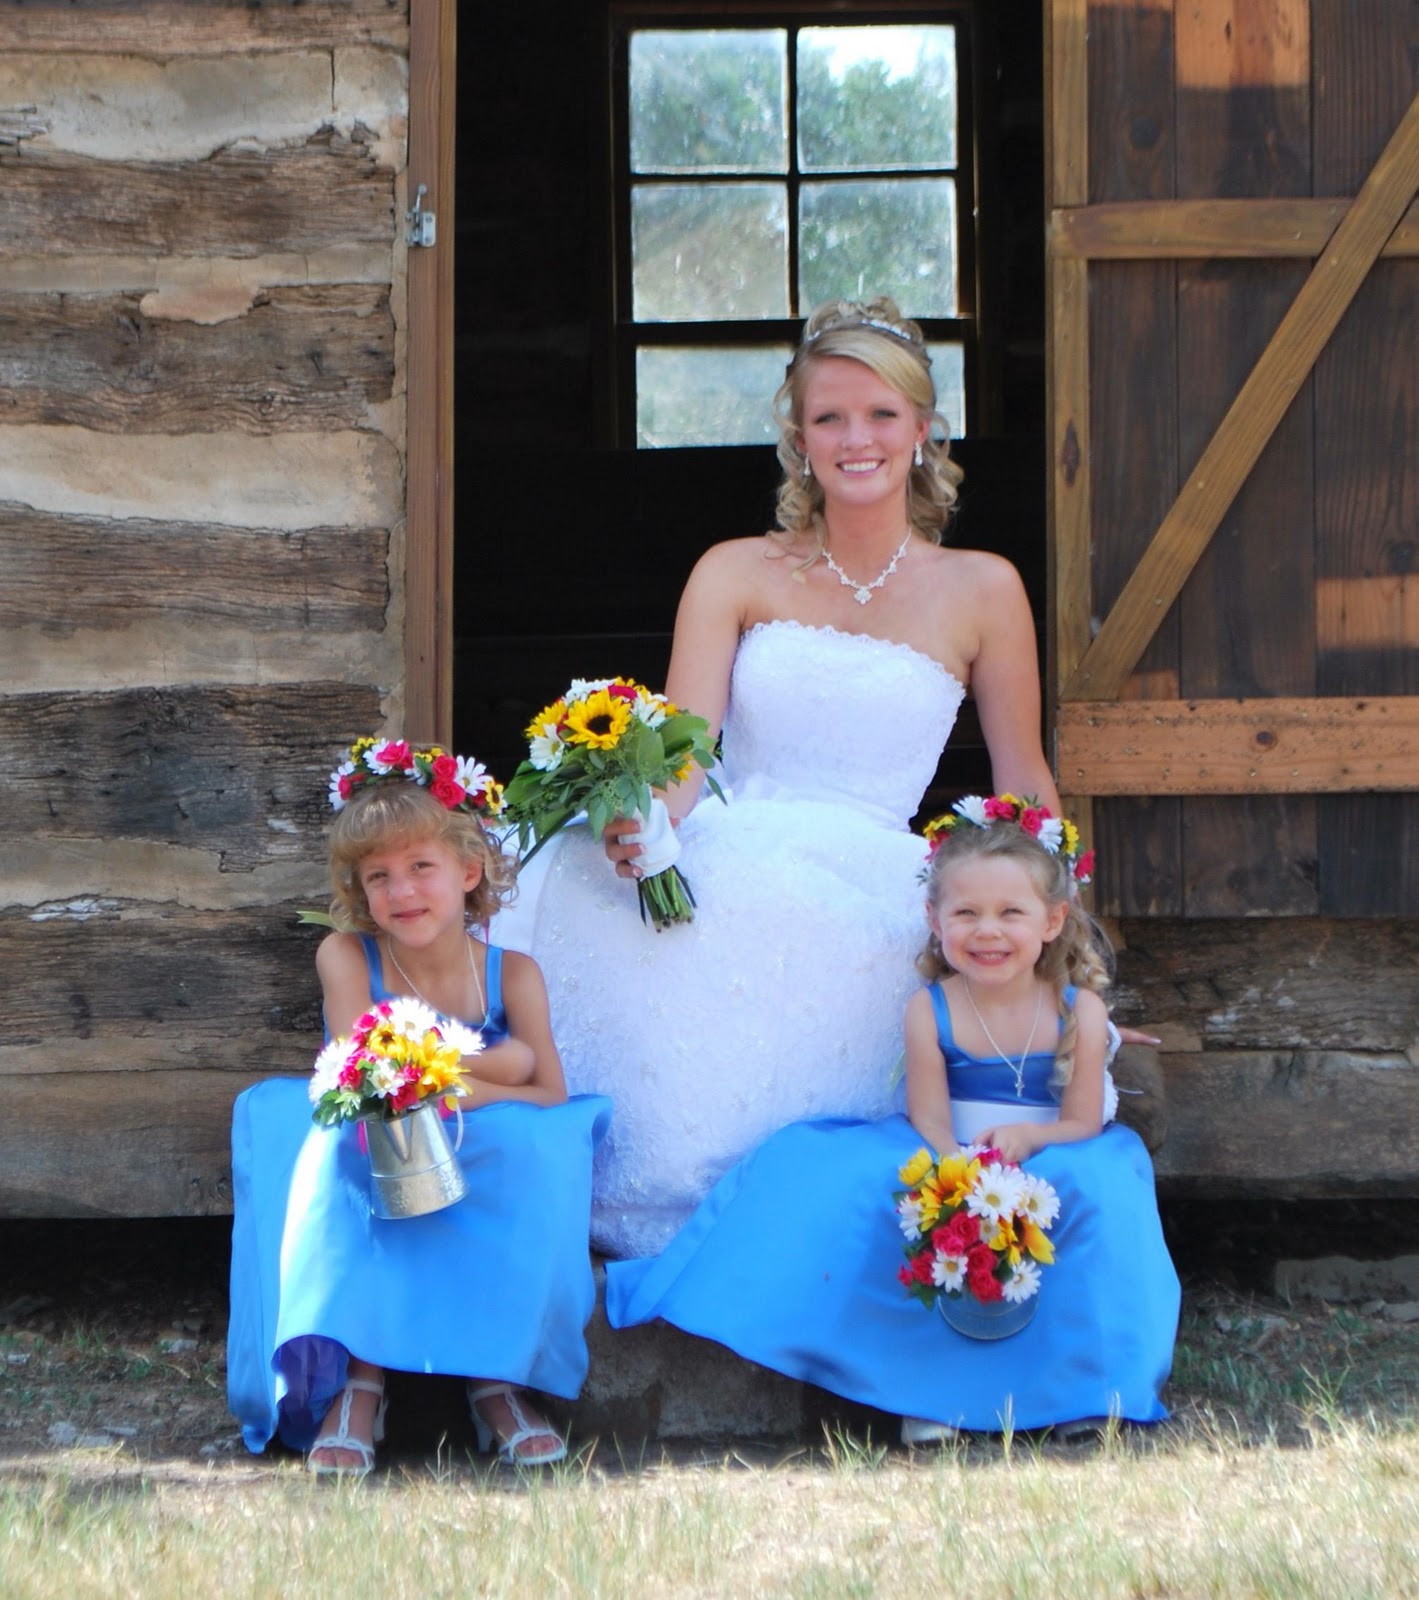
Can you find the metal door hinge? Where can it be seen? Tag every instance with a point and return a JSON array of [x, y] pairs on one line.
[[420, 226]]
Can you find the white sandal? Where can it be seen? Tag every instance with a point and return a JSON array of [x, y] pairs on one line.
[[509, 1450], [341, 1439], [922, 1430]]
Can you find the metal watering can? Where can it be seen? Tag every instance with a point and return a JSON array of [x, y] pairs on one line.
[[413, 1168]]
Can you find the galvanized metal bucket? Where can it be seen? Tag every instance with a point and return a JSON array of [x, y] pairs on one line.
[[413, 1168], [992, 1319]]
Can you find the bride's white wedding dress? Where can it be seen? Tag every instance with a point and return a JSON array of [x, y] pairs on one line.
[[784, 999]]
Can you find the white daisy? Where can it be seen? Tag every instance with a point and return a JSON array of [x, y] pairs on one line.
[[545, 748], [649, 709], [411, 1017], [581, 687], [467, 1041], [972, 808], [471, 776], [1051, 834], [1024, 1281], [996, 1193], [1038, 1200], [385, 1077], [909, 1217], [325, 1075], [948, 1272], [337, 800]]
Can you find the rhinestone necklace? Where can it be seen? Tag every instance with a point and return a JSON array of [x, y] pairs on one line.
[[1016, 1067], [862, 592], [472, 967]]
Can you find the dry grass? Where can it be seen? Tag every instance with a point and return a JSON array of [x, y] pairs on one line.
[[1291, 1469]]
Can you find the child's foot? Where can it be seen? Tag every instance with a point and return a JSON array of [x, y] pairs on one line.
[[524, 1437], [922, 1430], [352, 1427]]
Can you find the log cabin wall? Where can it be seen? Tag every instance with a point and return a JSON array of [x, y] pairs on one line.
[[202, 418], [1235, 522]]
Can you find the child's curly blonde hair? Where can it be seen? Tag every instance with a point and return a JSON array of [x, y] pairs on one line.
[[1081, 954], [394, 815]]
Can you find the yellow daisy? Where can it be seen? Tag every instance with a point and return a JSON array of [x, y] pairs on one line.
[[553, 715]]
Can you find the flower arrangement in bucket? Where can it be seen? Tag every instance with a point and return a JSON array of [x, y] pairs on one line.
[[390, 1074], [601, 748], [976, 1231]]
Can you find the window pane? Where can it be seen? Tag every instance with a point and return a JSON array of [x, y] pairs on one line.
[[948, 372], [709, 101], [896, 236], [703, 252], [698, 396], [876, 98]]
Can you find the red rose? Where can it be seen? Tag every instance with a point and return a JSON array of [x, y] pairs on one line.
[[622, 691], [447, 792], [349, 782], [395, 753], [992, 1158], [921, 1266], [984, 1286], [967, 1230], [1031, 818], [350, 1075], [1084, 867], [904, 1277], [443, 767], [999, 810]]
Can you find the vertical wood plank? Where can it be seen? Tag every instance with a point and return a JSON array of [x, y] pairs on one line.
[[428, 613], [1067, 347], [1247, 611], [1367, 415], [1133, 404]]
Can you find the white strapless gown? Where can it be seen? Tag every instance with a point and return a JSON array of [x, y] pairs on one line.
[[784, 999]]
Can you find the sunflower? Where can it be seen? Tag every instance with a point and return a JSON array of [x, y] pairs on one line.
[[598, 721]]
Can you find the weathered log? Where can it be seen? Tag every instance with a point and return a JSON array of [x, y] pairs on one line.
[[114, 987], [71, 573], [300, 358], [200, 27], [233, 769], [1289, 1124], [1301, 983], [240, 202]]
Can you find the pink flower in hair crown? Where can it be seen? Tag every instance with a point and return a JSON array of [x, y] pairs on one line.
[[457, 782], [1057, 835]]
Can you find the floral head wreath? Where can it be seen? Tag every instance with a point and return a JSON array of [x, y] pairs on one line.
[[1057, 835], [458, 782]]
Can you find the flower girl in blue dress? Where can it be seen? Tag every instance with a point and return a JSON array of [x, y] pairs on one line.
[[326, 1294], [793, 1259]]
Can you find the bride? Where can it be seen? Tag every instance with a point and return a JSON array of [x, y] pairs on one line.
[[834, 653]]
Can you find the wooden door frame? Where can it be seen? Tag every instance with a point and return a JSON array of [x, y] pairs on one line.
[[428, 371]]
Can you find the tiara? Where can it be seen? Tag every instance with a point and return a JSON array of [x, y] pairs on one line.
[[457, 782], [1057, 835], [864, 322]]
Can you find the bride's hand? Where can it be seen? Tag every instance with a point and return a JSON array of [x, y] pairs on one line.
[[621, 854]]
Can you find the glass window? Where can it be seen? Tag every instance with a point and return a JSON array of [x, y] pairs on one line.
[[765, 169]]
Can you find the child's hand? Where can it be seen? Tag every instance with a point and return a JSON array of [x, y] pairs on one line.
[[1016, 1141]]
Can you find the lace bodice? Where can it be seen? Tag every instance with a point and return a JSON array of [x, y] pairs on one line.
[[836, 716]]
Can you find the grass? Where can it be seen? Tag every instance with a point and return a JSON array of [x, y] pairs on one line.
[[1291, 1469]]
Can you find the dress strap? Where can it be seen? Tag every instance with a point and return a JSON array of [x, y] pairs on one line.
[[493, 981], [375, 962], [944, 1036]]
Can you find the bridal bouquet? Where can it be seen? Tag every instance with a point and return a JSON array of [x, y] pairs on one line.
[[400, 1054], [601, 749], [975, 1226]]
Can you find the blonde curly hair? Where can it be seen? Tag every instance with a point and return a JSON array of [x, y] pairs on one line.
[[1081, 954], [394, 815], [875, 333]]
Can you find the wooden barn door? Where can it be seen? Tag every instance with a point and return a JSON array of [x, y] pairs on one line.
[[1234, 337]]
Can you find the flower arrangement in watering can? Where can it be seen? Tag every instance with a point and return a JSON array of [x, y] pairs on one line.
[[391, 1073]]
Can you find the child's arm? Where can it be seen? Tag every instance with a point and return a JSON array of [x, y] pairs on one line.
[[344, 982], [529, 1025], [1081, 1109], [928, 1099]]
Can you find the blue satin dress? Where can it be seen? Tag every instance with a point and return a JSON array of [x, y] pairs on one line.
[[497, 1286], [792, 1260]]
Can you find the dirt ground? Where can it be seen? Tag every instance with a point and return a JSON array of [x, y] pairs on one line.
[[112, 1333]]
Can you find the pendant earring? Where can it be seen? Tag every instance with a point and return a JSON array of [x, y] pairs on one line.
[[807, 470], [918, 452]]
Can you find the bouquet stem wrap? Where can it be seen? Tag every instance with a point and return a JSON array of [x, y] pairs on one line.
[[665, 897]]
